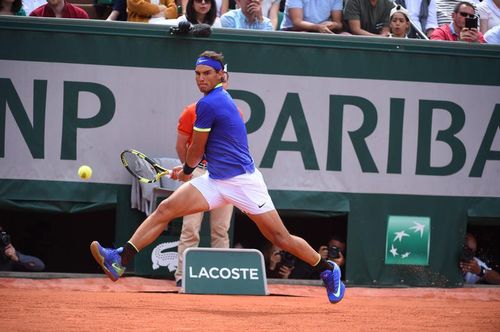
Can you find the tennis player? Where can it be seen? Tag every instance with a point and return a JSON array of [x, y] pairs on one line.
[[220, 218], [232, 178]]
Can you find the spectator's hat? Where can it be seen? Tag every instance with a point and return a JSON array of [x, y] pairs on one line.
[[400, 9]]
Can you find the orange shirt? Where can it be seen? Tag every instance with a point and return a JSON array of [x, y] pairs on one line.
[[186, 121]]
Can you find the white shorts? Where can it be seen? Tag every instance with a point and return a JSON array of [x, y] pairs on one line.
[[248, 192]]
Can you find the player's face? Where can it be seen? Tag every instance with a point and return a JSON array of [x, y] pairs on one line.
[[207, 78]]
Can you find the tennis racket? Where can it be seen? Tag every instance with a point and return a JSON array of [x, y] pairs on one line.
[[142, 167]]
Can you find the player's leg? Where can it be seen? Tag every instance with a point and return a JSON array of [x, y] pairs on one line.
[[190, 237], [220, 221], [272, 227], [248, 192], [185, 200]]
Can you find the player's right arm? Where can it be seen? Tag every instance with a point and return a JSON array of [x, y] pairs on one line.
[[181, 146], [193, 156], [197, 148]]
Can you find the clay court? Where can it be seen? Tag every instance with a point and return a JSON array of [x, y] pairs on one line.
[[97, 304]]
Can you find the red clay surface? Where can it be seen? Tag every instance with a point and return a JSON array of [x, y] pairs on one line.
[[97, 304]]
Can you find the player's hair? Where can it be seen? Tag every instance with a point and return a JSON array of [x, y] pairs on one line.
[[214, 56]]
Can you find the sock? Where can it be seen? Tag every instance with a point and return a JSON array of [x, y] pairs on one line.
[[322, 265], [129, 251]]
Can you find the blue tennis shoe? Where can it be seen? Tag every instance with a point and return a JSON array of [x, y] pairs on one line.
[[335, 288], [109, 260]]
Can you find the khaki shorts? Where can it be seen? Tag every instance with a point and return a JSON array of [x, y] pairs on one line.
[[248, 192]]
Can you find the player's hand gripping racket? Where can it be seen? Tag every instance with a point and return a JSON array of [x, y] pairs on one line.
[[142, 167]]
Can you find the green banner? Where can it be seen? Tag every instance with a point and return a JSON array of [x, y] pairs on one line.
[[224, 271], [408, 240]]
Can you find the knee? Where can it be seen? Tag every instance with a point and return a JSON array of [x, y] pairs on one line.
[[190, 237], [163, 211], [219, 228], [189, 227]]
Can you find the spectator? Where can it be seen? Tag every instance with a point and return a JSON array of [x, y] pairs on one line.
[[279, 263], [220, 218], [422, 14], [12, 7], [13, 260], [368, 17], [489, 14], [59, 9], [119, 12], [221, 6], [335, 251], [201, 12], [144, 10], [270, 9], [456, 30], [399, 22], [492, 36], [30, 5], [474, 269], [247, 16], [444, 8], [323, 16]]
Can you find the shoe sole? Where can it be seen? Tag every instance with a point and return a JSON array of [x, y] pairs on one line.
[[94, 249], [336, 300]]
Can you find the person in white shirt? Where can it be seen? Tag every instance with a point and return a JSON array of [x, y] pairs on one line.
[[492, 36], [489, 14], [270, 9]]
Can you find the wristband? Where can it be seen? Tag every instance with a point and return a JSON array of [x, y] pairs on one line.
[[187, 169]]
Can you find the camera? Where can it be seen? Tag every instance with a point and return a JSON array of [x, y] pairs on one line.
[[467, 254], [4, 240], [471, 23], [333, 252], [287, 259]]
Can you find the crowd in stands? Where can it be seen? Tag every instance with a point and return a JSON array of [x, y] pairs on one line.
[[471, 21]]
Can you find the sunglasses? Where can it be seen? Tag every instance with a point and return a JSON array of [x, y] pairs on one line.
[[467, 15], [202, 1]]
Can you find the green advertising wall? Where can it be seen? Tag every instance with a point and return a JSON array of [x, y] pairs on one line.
[[317, 168]]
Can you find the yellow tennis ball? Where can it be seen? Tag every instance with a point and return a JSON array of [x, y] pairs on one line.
[[85, 172]]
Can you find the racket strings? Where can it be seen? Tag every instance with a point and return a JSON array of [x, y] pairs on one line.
[[140, 166]]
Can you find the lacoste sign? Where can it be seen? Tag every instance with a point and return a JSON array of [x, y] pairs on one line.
[[224, 271]]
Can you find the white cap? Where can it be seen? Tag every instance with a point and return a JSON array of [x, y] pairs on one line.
[[400, 9]]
